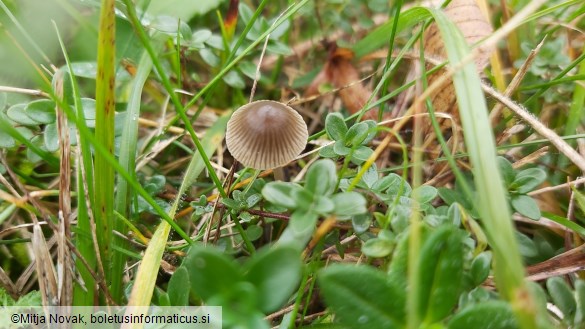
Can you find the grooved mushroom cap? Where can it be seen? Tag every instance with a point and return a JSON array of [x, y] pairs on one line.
[[266, 134]]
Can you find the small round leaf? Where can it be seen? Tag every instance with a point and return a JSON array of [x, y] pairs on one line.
[[349, 204], [281, 194], [356, 134], [526, 206], [335, 126], [18, 114], [321, 177], [378, 247], [42, 111]]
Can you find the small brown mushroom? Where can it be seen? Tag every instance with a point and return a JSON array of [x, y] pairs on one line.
[[266, 134]]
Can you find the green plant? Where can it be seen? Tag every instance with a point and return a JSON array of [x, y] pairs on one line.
[[318, 197], [350, 143], [519, 184], [262, 285]]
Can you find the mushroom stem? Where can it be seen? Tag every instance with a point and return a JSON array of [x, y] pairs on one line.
[[279, 174]]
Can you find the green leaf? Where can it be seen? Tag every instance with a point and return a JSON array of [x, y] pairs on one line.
[[33, 298], [209, 57], [526, 246], [335, 126], [246, 217], [254, 232], [454, 213], [161, 297], [166, 24], [562, 297], [506, 169], [385, 182], [305, 200], [183, 9], [245, 12], [349, 204], [234, 79], [526, 206], [302, 221], [425, 193], [340, 149], [440, 273], [397, 270], [363, 297], [240, 305], [211, 272], [321, 177], [487, 315], [356, 134], [281, 194], [253, 200], [231, 204], [361, 154], [88, 106], [38, 141], [398, 186], [155, 184], [248, 69], [529, 179], [322, 204], [378, 37], [18, 114], [327, 152], [200, 36], [178, 295], [580, 299], [452, 196], [6, 141], [279, 48], [42, 110], [480, 267], [275, 273], [280, 30], [378, 247], [372, 131], [370, 177], [361, 223], [51, 136]]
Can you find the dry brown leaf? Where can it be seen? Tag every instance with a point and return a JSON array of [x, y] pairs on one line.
[[64, 260], [44, 266], [474, 27], [340, 72]]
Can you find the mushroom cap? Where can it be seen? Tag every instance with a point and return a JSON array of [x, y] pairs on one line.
[[266, 134]]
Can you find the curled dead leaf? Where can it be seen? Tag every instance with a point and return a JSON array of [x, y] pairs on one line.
[[340, 72]]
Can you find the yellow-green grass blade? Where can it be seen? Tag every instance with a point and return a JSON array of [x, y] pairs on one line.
[[104, 133]]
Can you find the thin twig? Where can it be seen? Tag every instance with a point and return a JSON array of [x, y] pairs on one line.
[[516, 80], [538, 126]]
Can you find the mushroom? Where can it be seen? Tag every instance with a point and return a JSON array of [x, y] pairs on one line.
[[266, 134]]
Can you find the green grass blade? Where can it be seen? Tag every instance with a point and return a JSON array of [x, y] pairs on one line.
[[575, 115], [492, 202], [378, 37], [83, 240], [127, 160]]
